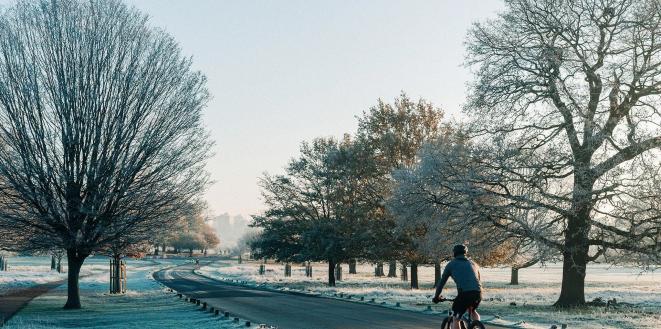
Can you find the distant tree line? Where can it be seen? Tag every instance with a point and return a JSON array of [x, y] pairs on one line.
[[189, 234]]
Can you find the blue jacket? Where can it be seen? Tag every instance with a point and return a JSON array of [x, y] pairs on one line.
[[464, 272]]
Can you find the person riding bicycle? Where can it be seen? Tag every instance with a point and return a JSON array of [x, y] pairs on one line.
[[466, 275]]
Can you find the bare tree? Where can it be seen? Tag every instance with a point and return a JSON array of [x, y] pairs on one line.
[[431, 202], [100, 127], [569, 91]]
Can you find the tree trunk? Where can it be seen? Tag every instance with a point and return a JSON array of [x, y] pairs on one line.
[[378, 271], [392, 269], [437, 272], [163, 248], [414, 275], [331, 273], [52, 262], [75, 261], [572, 292], [352, 266], [156, 251], [59, 264], [405, 274], [514, 279], [575, 253]]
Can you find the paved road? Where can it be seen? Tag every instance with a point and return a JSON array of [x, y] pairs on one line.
[[285, 310]]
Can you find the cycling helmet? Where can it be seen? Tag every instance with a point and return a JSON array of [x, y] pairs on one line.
[[459, 249]]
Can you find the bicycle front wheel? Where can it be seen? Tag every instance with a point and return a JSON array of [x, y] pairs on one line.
[[477, 325]]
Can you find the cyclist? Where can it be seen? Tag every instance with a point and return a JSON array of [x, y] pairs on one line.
[[466, 275]]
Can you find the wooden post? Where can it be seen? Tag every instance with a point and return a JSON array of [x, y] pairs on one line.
[[112, 276], [122, 269], [338, 272]]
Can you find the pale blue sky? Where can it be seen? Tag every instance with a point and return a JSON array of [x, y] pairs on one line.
[[286, 71]]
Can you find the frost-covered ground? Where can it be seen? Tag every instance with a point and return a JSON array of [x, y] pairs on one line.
[[27, 271], [146, 305], [538, 289]]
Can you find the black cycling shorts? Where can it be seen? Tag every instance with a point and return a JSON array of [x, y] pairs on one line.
[[465, 300]]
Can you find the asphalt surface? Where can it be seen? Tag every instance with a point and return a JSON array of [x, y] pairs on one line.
[[286, 310]]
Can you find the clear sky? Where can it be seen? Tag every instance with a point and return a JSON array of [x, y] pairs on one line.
[[286, 71], [281, 72]]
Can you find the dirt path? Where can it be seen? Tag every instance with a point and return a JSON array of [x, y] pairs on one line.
[[15, 300]]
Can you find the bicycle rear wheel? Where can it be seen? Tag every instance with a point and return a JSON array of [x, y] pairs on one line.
[[477, 325], [446, 323]]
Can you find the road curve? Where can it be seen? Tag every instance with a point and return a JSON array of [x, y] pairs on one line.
[[285, 310]]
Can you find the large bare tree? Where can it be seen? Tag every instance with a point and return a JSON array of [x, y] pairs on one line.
[[569, 91], [100, 127]]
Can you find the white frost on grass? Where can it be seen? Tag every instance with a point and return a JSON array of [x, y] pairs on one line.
[[538, 289], [24, 272], [14, 280], [146, 305]]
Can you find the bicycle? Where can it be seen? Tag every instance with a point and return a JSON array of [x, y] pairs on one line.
[[465, 321]]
